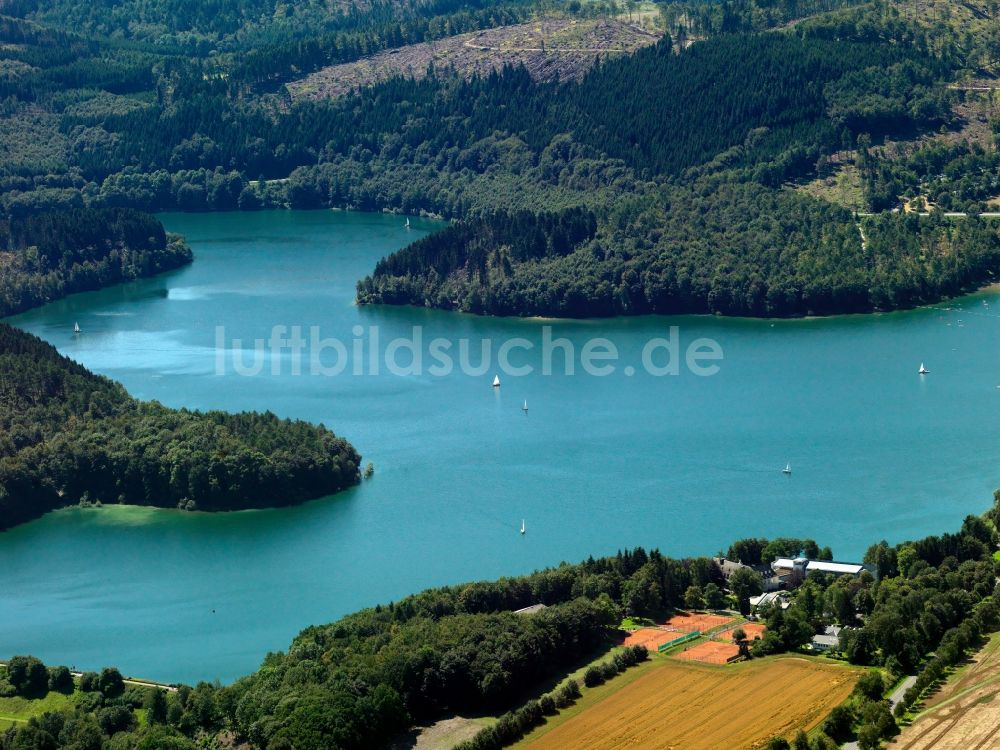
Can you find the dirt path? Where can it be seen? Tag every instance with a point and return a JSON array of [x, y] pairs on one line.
[[897, 694], [442, 735], [126, 680]]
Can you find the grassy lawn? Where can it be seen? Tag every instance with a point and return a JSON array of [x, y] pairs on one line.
[[441, 735], [18, 710], [633, 623]]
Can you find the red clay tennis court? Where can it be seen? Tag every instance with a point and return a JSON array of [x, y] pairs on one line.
[[710, 652], [701, 622], [752, 629], [651, 638]]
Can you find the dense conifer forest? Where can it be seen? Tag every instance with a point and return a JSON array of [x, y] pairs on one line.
[[49, 255], [160, 106], [70, 437], [743, 250]]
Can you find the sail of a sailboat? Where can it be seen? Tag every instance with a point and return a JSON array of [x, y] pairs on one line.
[[496, 381], [522, 525], [787, 469]]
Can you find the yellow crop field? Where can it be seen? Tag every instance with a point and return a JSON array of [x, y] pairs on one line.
[[687, 706]]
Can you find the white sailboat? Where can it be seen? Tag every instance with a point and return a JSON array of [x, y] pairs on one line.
[[76, 328], [525, 407], [496, 381], [522, 525], [923, 370], [407, 222], [787, 469]]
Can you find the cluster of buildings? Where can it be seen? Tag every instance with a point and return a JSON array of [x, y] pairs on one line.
[[786, 573], [771, 582]]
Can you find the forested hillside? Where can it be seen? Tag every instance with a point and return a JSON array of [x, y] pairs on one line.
[[686, 154], [68, 436], [49, 255], [741, 250]]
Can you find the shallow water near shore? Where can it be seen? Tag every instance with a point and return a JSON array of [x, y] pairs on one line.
[[680, 462]]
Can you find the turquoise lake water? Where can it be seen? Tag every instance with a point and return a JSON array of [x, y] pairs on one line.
[[685, 463]]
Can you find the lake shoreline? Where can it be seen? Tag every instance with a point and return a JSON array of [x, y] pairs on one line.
[[683, 463], [113, 509], [989, 287], [986, 287]]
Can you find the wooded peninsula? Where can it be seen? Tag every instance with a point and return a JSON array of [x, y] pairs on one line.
[[69, 437]]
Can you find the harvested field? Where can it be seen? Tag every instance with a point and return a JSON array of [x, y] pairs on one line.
[[699, 707], [692, 621], [651, 638], [710, 652], [552, 49], [965, 713]]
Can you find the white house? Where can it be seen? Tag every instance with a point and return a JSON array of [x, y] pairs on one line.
[[758, 603], [828, 639]]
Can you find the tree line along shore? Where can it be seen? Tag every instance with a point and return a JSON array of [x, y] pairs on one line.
[[359, 682]]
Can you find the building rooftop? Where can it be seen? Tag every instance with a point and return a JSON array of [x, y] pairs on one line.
[[835, 567], [830, 641], [822, 566], [769, 598], [728, 567]]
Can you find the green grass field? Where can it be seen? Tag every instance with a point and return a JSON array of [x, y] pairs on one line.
[[18, 710], [633, 623]]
